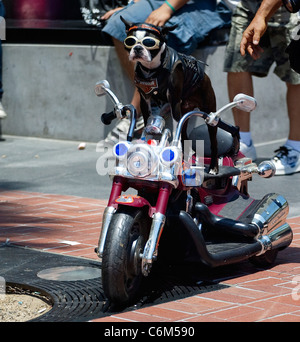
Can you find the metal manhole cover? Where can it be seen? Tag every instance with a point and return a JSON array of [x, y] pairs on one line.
[[70, 273], [74, 285]]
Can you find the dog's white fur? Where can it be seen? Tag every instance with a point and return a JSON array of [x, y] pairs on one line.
[[146, 59]]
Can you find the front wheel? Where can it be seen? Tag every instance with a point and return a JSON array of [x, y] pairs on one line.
[[121, 262]]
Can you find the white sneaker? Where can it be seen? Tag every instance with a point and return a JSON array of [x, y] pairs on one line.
[[3, 115], [286, 161], [248, 151]]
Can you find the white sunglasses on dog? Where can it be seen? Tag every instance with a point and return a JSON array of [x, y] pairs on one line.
[[149, 43]]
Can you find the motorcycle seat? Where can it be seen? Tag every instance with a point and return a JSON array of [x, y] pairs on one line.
[[227, 144]]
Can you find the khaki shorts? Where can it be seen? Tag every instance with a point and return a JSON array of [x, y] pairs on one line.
[[274, 42]]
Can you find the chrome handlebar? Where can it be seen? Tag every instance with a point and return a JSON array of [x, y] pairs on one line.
[[241, 101]]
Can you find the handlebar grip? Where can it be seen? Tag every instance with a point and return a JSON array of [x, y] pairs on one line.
[[107, 118], [234, 130]]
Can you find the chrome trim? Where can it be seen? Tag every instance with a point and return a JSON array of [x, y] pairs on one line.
[[157, 170], [103, 87], [107, 216], [271, 214], [270, 217], [170, 176], [196, 112], [265, 169], [281, 237], [155, 125], [150, 250], [164, 138], [265, 244]]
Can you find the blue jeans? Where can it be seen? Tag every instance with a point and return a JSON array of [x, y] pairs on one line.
[[195, 21]]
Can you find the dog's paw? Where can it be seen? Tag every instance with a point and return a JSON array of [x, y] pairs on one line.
[[213, 171]]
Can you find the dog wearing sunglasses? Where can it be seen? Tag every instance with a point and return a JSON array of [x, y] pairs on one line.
[[164, 76]]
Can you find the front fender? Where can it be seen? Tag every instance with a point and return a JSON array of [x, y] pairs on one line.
[[133, 201]]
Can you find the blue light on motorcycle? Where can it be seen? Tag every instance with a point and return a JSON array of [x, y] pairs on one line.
[[120, 149], [168, 156]]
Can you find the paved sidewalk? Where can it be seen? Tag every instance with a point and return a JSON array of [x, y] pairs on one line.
[[70, 225], [51, 200]]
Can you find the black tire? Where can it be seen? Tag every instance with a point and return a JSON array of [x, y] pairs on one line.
[[265, 260], [121, 262]]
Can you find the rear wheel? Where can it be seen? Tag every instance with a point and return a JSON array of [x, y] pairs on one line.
[[121, 263]]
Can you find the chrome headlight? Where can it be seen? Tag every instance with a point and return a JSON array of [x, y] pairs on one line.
[[142, 160]]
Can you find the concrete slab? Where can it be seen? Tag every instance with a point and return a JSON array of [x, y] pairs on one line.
[[51, 166], [49, 91]]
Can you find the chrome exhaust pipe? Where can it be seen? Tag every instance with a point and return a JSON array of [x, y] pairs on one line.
[[273, 233], [271, 213], [279, 238]]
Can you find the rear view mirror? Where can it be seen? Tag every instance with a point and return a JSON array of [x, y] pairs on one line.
[[245, 102], [101, 88]]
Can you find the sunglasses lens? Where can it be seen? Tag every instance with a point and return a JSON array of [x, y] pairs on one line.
[[149, 43], [130, 41]]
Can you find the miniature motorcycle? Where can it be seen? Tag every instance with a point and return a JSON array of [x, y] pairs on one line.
[[180, 211]]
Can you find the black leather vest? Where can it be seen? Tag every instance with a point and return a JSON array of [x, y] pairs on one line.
[[156, 82]]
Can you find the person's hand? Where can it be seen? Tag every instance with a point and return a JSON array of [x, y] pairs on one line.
[[108, 14], [251, 38], [160, 16]]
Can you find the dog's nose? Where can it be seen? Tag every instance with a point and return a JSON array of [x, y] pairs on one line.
[[138, 48]]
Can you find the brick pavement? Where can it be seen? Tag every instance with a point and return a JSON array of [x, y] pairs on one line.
[[70, 225]]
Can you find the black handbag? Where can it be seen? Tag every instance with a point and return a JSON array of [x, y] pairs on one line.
[[93, 10]]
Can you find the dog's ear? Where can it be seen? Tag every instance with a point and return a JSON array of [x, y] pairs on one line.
[[166, 29], [128, 24]]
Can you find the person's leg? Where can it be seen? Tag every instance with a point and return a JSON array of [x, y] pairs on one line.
[[241, 82], [287, 159], [292, 98], [240, 71]]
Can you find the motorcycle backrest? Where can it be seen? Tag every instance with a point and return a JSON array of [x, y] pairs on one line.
[[227, 145]]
